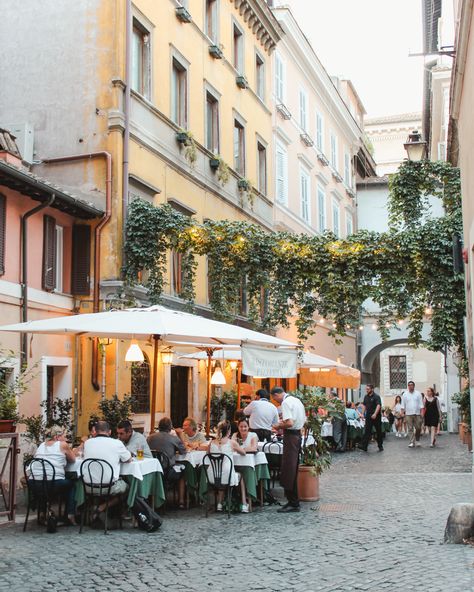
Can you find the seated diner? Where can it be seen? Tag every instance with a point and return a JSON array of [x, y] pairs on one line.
[[189, 435], [225, 445], [57, 451], [133, 440]]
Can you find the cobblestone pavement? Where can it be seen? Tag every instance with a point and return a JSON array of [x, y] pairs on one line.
[[378, 526]]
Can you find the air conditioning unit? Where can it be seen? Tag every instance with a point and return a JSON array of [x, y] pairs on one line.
[[24, 134]]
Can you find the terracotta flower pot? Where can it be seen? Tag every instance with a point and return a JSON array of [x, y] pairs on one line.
[[468, 440], [308, 484], [7, 426]]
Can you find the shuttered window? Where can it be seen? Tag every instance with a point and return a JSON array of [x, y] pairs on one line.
[[281, 175], [81, 260], [3, 217], [49, 253]]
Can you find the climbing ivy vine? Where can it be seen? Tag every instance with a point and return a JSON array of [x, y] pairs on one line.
[[408, 270]]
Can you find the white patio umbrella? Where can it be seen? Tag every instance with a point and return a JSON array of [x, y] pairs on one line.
[[157, 322]]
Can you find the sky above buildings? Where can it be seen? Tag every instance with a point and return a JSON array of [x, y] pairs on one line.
[[368, 41]]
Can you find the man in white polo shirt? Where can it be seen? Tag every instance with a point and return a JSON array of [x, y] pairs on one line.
[[103, 447], [412, 405], [293, 419], [263, 415]]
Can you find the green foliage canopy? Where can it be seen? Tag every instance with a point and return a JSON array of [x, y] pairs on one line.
[[406, 270]]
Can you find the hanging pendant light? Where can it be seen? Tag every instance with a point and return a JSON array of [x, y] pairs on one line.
[[218, 378], [134, 353]]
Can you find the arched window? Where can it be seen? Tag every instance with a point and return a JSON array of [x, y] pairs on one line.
[[140, 386]]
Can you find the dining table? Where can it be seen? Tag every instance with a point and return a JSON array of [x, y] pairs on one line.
[[252, 466], [144, 478]]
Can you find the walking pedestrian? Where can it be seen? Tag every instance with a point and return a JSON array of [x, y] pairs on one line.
[[293, 418], [373, 418], [398, 415], [432, 414], [412, 405]]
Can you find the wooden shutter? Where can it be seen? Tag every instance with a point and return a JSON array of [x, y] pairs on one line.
[[3, 216], [49, 253], [81, 260]]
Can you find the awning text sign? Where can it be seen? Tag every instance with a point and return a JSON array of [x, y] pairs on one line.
[[268, 363]]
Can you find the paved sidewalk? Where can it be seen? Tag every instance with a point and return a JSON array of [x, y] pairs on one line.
[[378, 526]]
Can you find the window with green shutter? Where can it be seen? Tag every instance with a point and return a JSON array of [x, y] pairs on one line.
[[81, 260]]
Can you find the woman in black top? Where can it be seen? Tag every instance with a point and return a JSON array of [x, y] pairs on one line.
[[432, 414]]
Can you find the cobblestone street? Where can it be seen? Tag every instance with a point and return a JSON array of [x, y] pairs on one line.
[[378, 526]]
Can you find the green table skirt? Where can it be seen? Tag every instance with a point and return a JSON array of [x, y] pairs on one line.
[[152, 484], [250, 476]]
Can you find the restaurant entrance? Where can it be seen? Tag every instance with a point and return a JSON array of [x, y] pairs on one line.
[[179, 394]]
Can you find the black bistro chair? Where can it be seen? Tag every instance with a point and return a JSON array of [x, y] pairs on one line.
[[273, 451], [170, 476], [40, 475], [97, 477], [214, 463]]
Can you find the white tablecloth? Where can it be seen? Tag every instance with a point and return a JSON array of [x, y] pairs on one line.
[[136, 468], [277, 447], [194, 457]]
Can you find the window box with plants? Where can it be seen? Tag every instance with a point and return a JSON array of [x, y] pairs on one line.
[[315, 457], [220, 167], [241, 81], [183, 14], [216, 52], [244, 185], [185, 138]]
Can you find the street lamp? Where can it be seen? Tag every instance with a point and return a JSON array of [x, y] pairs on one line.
[[167, 356], [415, 147]]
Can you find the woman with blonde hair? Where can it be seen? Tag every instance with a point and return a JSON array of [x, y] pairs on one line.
[[57, 451], [223, 444], [432, 414]]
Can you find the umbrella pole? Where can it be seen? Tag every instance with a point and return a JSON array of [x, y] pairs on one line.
[[208, 404], [156, 340], [239, 379]]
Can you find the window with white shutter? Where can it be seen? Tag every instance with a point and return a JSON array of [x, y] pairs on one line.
[[281, 177], [319, 132], [303, 110], [335, 218], [321, 210], [349, 224], [305, 196], [334, 151], [279, 79], [347, 170]]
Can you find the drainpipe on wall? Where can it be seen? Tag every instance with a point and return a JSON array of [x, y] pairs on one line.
[[126, 115], [98, 230], [24, 273]]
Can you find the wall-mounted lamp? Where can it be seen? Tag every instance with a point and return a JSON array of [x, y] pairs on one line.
[[167, 356], [134, 353], [415, 147]]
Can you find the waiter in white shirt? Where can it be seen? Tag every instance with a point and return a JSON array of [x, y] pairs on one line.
[[412, 405], [263, 415], [293, 419]]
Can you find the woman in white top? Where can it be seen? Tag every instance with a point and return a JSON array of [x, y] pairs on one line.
[[223, 444], [57, 451], [397, 413], [244, 437]]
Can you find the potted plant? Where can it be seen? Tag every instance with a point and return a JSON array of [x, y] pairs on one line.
[[315, 457], [463, 401], [218, 164], [183, 15], [241, 81], [115, 410], [186, 139], [11, 388], [216, 52]]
